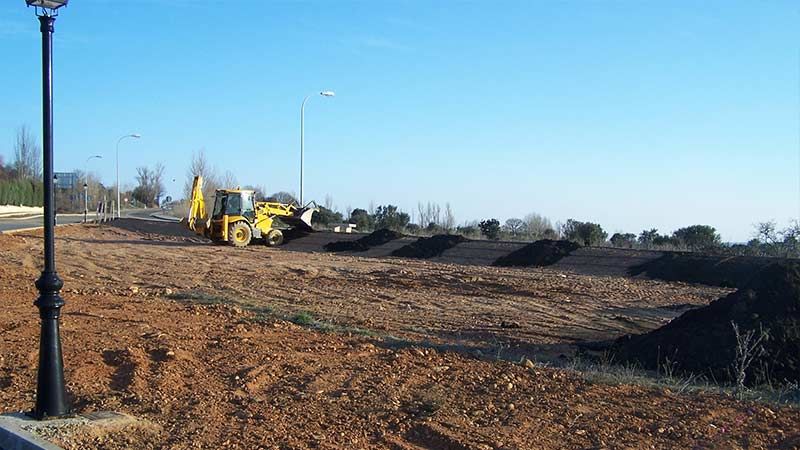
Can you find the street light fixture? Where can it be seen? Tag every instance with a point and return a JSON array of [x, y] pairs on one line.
[[86, 186], [51, 398], [302, 135], [134, 136], [47, 5]]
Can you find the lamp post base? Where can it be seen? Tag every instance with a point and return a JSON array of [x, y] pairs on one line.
[[51, 398]]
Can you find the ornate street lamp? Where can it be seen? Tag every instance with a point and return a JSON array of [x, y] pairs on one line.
[[51, 398]]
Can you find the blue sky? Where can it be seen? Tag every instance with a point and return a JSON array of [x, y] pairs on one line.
[[632, 114]]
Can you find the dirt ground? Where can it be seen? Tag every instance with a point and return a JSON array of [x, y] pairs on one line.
[[190, 337]]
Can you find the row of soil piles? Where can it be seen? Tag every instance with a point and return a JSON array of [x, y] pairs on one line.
[[730, 271], [703, 341], [374, 239], [538, 254], [430, 247]]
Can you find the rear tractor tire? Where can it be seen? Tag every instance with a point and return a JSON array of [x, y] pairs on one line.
[[274, 238], [239, 234]]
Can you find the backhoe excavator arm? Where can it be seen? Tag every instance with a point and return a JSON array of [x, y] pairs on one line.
[[197, 207]]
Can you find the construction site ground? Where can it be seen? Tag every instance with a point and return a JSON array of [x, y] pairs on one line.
[[217, 347]]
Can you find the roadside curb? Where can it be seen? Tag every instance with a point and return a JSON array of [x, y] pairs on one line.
[[13, 436], [21, 230]]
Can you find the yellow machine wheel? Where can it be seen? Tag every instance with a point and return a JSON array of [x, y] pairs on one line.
[[274, 238], [239, 234]]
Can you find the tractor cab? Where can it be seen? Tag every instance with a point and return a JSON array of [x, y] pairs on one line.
[[234, 203]]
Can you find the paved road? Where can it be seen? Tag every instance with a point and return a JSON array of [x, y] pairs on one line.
[[36, 221]]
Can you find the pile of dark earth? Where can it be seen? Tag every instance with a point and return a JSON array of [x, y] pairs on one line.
[[538, 254], [374, 239], [712, 270], [702, 341], [291, 234], [424, 248]]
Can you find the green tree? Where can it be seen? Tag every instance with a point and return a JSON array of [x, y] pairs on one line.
[[585, 233], [623, 239], [326, 216], [390, 217], [490, 228], [283, 197], [363, 220], [698, 237]]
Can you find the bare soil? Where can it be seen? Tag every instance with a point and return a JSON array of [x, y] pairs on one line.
[[190, 337]]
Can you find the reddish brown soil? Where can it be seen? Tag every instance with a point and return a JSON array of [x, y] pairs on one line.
[[234, 376]]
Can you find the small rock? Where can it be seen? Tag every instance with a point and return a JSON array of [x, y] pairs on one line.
[[528, 364], [134, 289]]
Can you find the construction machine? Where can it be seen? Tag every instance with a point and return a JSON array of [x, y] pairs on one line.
[[237, 218]]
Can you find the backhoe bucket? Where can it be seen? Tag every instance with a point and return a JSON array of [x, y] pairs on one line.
[[301, 218]]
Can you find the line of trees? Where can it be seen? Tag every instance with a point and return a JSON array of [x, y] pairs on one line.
[[21, 180]]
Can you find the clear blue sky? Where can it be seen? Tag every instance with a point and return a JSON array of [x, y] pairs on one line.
[[633, 114]]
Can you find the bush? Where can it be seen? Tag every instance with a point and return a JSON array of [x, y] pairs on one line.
[[626, 240], [698, 237], [325, 216], [584, 233], [363, 220], [490, 228], [391, 218]]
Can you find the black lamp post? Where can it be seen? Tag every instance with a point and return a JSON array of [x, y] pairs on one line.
[[51, 398]]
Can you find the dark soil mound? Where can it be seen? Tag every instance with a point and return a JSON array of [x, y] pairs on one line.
[[702, 340], [157, 227], [730, 271], [539, 253], [425, 248], [291, 234], [373, 239]]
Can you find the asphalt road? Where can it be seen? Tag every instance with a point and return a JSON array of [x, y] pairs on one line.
[[36, 221]]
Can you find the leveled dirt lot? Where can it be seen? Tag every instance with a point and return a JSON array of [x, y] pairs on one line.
[[234, 375]]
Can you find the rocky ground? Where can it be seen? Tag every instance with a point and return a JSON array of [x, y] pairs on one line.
[[398, 354]]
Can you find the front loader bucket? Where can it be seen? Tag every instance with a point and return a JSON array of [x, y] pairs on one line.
[[301, 219]]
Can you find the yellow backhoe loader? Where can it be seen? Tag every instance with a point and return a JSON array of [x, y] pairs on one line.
[[238, 219]]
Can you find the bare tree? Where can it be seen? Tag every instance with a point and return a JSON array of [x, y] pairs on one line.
[[201, 166], [229, 181], [423, 219], [150, 186], [27, 155], [449, 220], [538, 226], [749, 347], [766, 232], [158, 182], [515, 226], [328, 202]]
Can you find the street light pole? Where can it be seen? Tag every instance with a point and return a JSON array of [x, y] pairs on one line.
[[135, 136], [86, 187], [302, 135], [51, 399]]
